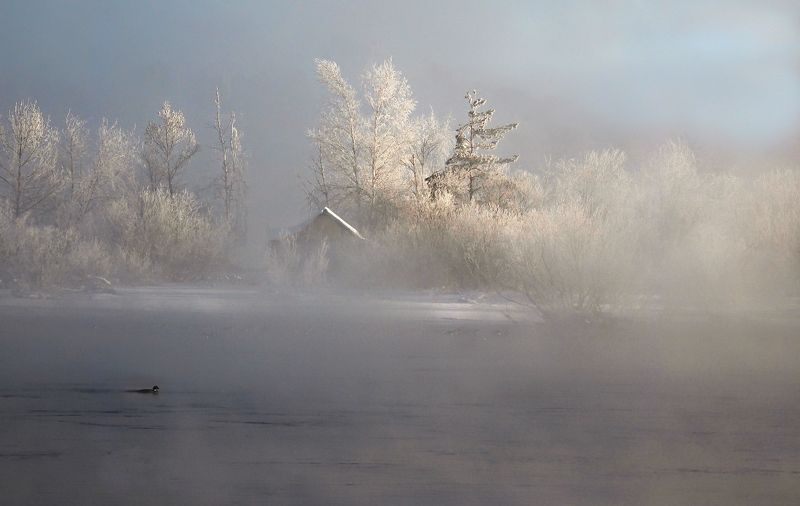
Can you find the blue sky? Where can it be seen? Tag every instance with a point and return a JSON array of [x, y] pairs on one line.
[[576, 74]]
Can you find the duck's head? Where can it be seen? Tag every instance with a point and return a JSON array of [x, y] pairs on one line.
[[155, 389]]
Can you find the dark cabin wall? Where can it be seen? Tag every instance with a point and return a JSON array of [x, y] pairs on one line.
[[324, 227]]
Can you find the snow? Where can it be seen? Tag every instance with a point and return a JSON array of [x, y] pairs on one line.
[[341, 222]]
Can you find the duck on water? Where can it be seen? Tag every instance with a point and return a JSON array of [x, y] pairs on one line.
[[153, 390]]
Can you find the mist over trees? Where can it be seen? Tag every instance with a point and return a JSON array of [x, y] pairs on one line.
[[375, 161], [361, 153], [231, 183], [472, 167], [30, 171], [440, 202], [78, 205], [169, 145], [585, 234]]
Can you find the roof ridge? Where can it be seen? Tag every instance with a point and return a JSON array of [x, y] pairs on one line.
[[327, 210]]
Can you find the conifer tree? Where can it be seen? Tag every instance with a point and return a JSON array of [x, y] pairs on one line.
[[471, 163]]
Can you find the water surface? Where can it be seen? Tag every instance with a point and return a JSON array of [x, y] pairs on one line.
[[343, 399]]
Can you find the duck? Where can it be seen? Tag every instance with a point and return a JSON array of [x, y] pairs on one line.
[[153, 390]]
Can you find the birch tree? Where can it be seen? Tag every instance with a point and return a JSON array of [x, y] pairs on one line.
[[337, 168], [169, 145], [94, 172], [74, 150], [360, 150], [29, 170], [109, 174], [319, 192], [390, 102]]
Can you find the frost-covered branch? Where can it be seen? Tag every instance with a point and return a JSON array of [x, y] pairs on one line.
[[169, 145]]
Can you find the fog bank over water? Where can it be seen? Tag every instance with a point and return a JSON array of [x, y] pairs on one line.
[[266, 252], [406, 399]]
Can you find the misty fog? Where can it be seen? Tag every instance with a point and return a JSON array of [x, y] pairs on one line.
[[342, 399], [457, 253]]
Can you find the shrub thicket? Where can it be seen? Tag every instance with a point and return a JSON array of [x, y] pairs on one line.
[[76, 208], [591, 233]]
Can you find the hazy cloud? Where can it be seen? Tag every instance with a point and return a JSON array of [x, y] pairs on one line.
[[576, 74]]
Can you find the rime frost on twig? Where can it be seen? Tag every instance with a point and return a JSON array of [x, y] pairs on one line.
[[168, 146], [471, 167], [29, 170], [231, 183]]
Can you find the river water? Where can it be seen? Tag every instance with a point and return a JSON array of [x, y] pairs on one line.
[[402, 399]]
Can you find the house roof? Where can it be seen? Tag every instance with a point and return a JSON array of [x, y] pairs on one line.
[[341, 222], [296, 229]]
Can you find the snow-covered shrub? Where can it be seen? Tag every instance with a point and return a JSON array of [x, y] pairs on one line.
[[516, 192], [568, 257], [72, 204], [410, 252], [89, 258], [38, 254], [170, 232], [574, 250], [598, 181], [768, 216], [44, 256], [476, 245], [591, 233], [434, 244], [671, 197]]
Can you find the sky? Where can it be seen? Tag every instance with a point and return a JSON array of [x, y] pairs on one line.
[[577, 75]]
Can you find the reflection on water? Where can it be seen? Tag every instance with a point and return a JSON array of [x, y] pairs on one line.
[[328, 403]]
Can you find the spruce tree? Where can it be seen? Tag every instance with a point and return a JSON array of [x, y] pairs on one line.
[[472, 162]]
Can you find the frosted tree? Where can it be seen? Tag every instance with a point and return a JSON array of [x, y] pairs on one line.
[[29, 169], [74, 150], [516, 192], [169, 145], [390, 102], [472, 161], [107, 175], [318, 187], [360, 156], [428, 143], [337, 168], [231, 180]]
